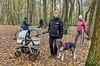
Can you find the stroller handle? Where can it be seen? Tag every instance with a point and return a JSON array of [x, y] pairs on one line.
[[41, 33]]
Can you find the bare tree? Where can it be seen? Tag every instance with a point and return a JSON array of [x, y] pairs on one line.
[[94, 52], [92, 17]]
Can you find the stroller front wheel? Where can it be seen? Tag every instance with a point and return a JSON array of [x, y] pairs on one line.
[[17, 53], [32, 57]]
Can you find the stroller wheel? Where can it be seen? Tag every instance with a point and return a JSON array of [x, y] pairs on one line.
[[25, 50], [17, 53], [32, 57]]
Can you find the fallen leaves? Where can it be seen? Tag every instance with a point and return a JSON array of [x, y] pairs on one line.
[[7, 49]]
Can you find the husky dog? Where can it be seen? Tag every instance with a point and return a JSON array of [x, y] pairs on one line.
[[65, 46]]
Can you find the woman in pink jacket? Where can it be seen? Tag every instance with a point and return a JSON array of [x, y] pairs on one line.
[[81, 28]]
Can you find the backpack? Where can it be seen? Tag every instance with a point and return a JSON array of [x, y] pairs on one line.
[[54, 28]]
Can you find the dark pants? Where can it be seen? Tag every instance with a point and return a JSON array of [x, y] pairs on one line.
[[53, 46], [82, 37], [25, 28]]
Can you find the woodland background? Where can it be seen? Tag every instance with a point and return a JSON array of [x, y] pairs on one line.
[[12, 13]]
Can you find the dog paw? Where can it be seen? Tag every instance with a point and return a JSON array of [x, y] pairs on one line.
[[74, 57], [58, 57], [71, 54], [62, 59]]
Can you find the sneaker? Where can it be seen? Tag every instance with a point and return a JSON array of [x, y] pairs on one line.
[[55, 57], [50, 56], [15, 39]]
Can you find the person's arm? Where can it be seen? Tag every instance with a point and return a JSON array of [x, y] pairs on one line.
[[61, 29], [49, 26], [26, 23]]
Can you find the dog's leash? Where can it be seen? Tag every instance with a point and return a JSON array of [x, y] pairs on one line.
[[64, 44]]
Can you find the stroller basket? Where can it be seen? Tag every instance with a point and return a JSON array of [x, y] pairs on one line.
[[21, 39], [27, 44]]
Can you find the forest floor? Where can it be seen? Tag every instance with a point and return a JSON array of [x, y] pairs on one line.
[[8, 45]]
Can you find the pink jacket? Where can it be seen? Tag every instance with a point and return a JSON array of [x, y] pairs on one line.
[[81, 25]]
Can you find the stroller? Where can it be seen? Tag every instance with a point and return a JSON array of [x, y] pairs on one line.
[[28, 44]]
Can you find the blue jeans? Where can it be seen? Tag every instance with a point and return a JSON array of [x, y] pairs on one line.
[[82, 37]]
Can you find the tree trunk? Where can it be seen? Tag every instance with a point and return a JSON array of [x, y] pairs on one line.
[[2, 16], [31, 9], [63, 9], [94, 52], [8, 13], [19, 12], [79, 12], [82, 8], [66, 16], [51, 9], [40, 9], [14, 21], [55, 8], [71, 10], [92, 17], [28, 9], [44, 13], [11, 16], [86, 14]]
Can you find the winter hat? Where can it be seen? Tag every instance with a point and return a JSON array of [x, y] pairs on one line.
[[80, 17], [55, 12]]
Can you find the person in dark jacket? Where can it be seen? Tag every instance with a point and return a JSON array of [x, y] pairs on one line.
[[55, 30], [40, 23], [25, 25]]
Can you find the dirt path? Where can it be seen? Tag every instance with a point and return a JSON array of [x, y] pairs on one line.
[[8, 45]]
